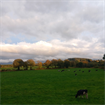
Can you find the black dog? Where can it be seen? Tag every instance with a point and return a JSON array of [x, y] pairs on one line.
[[82, 92]]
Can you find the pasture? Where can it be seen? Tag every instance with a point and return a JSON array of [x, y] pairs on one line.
[[52, 87]]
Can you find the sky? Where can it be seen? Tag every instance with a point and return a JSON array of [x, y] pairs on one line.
[[51, 29]]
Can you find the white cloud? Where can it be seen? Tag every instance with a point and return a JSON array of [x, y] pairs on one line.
[[52, 49], [60, 29]]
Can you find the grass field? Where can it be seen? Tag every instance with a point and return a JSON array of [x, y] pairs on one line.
[[52, 87]]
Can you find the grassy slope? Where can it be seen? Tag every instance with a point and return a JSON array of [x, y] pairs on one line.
[[51, 87]]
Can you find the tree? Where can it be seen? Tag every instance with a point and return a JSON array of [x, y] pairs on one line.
[[66, 63], [104, 59], [54, 62], [79, 64], [89, 60], [25, 65], [47, 63], [101, 63], [72, 63], [93, 64], [39, 64], [104, 56], [17, 63], [0, 65], [85, 63], [31, 63], [60, 63]]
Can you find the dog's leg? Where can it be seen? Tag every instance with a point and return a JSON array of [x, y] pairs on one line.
[[87, 95], [82, 96]]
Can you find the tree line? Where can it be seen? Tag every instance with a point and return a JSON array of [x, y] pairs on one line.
[[17, 63], [55, 63]]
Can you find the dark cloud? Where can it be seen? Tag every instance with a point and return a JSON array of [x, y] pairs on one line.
[[58, 22]]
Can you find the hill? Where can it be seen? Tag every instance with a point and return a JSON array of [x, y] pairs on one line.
[[79, 59]]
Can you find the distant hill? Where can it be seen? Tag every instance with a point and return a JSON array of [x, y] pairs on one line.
[[7, 63], [79, 59]]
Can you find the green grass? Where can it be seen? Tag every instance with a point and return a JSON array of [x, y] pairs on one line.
[[51, 86]]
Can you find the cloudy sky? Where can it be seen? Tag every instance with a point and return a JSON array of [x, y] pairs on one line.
[[51, 29]]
